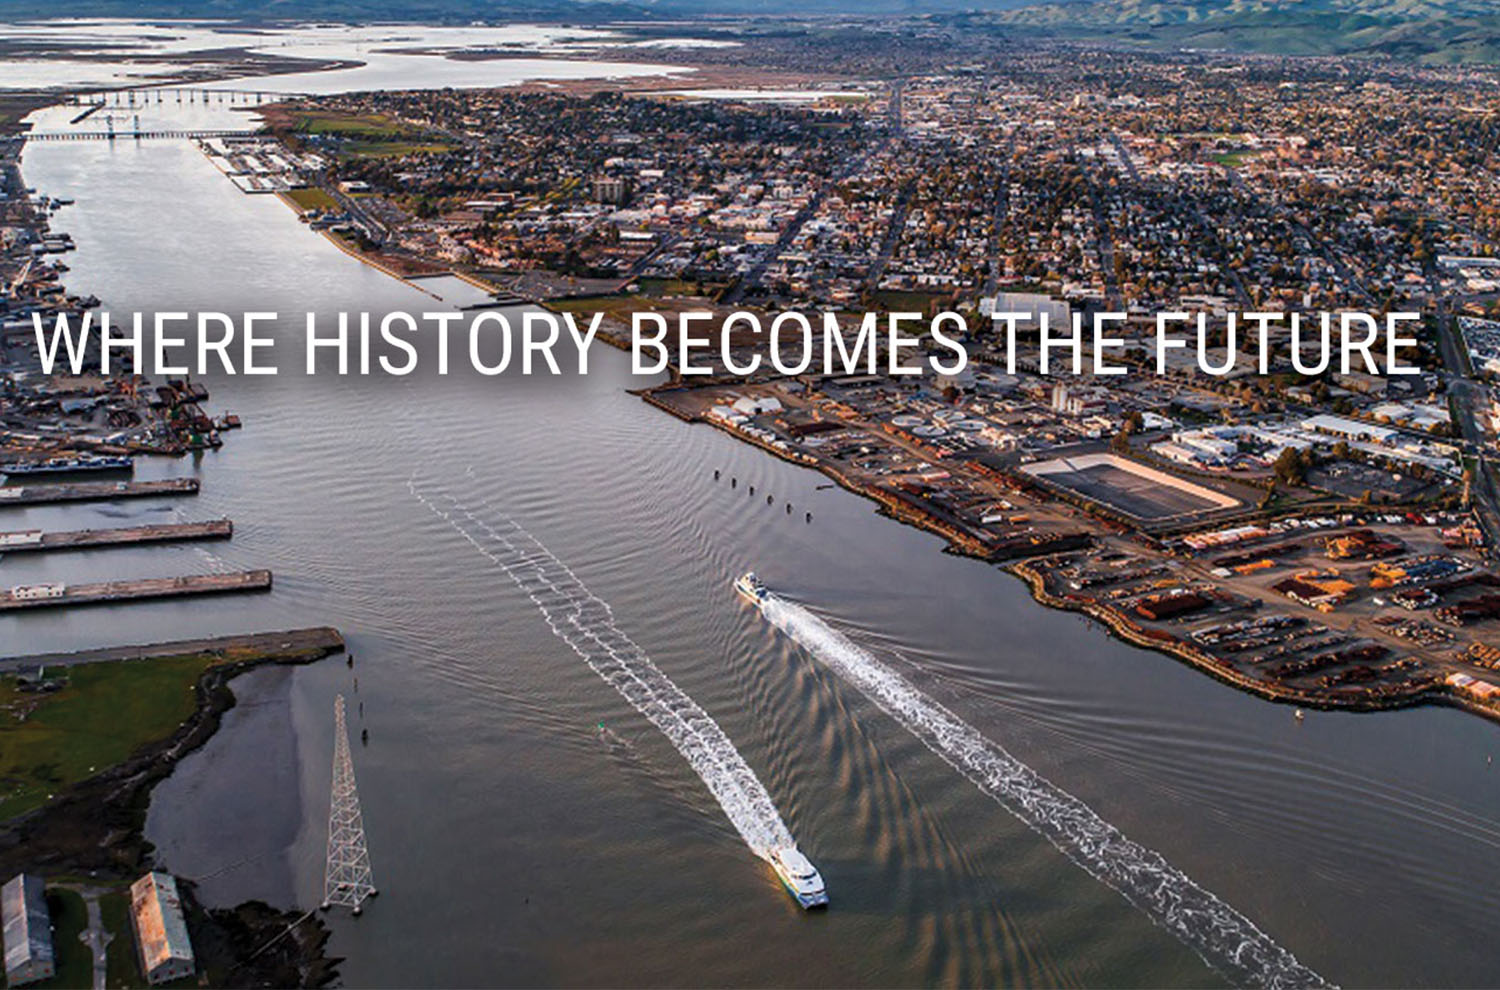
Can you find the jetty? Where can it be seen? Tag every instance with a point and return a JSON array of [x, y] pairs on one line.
[[37, 541], [95, 491], [56, 594], [283, 646]]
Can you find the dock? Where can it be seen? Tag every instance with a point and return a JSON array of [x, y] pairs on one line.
[[95, 491], [287, 644], [36, 541], [55, 595]]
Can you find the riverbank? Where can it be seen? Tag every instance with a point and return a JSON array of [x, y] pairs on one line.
[[889, 502], [1123, 628], [1254, 637], [94, 827]]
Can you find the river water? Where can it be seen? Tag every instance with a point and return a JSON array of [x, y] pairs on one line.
[[528, 825]]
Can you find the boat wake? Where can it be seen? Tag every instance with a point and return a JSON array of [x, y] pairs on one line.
[[586, 623], [1225, 939]]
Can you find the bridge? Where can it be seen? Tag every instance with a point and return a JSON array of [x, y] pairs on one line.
[[153, 96], [111, 135]]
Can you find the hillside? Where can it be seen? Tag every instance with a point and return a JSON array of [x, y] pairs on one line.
[[1431, 31]]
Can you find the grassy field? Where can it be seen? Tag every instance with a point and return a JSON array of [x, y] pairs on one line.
[[366, 135], [313, 198], [75, 963], [1234, 159], [106, 712], [895, 301], [658, 287]]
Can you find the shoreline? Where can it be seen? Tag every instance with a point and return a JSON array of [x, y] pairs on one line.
[[1123, 629], [887, 504], [1116, 624], [96, 826]]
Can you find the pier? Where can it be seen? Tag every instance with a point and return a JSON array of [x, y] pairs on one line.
[[36, 541], [95, 491], [285, 646], [57, 594]]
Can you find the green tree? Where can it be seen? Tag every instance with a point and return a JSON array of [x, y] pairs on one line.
[[1291, 466]]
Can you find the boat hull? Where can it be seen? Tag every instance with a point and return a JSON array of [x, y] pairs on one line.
[[808, 902]]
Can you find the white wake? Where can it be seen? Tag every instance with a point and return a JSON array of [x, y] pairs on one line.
[[586, 623], [1225, 939]]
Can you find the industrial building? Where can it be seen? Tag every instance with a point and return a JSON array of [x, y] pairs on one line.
[[161, 933], [28, 931]]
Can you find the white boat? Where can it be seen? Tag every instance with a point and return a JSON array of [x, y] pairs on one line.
[[750, 586], [799, 877]]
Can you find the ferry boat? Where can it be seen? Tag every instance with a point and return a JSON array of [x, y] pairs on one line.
[[799, 877], [750, 586], [66, 465]]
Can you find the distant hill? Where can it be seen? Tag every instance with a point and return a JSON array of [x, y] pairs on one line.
[[1429, 31], [462, 11], [1432, 31], [264, 11]]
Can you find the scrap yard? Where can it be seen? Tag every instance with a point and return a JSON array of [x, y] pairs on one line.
[[1352, 612]]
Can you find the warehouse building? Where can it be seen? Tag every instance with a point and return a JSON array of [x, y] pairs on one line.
[[161, 933], [28, 931]]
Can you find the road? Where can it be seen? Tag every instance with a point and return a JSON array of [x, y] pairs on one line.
[[892, 236], [96, 938], [1469, 400], [751, 278], [1001, 212]]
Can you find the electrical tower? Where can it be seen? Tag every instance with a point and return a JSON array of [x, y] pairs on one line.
[[348, 880]]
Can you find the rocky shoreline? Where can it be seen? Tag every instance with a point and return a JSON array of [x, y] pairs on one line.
[[95, 828]]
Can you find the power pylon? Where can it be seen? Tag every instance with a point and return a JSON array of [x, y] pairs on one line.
[[348, 879]]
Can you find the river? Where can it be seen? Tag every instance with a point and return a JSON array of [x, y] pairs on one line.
[[528, 826]]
